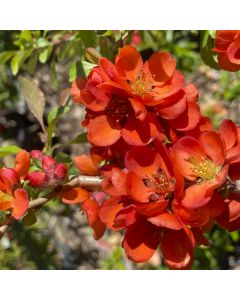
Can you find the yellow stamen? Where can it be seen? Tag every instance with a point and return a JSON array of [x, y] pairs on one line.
[[203, 167], [5, 197]]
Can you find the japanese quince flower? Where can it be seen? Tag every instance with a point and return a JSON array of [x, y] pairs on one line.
[[52, 173], [129, 98], [140, 204], [227, 45], [203, 165], [12, 196]]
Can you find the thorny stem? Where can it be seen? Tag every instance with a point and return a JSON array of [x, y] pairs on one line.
[[90, 183]]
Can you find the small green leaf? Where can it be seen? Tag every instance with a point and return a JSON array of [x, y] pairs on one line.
[[32, 63], [62, 157], [34, 98], [30, 219], [15, 64], [57, 112], [5, 56], [87, 67], [206, 50], [80, 139], [53, 118], [26, 35], [53, 74], [9, 150], [73, 72], [41, 43], [88, 37], [44, 54]]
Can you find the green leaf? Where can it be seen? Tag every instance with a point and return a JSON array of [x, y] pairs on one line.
[[88, 37], [53, 74], [57, 112], [53, 118], [80, 139], [5, 56], [9, 150], [41, 43], [62, 157], [73, 72], [18, 60], [44, 54], [34, 98], [26, 35], [30, 219], [87, 67], [32, 63], [15, 64], [206, 46]]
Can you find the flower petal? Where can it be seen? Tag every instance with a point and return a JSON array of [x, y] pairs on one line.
[[214, 147], [108, 211], [36, 178], [19, 203], [103, 131], [229, 133], [161, 66], [166, 220], [128, 62], [188, 120], [74, 195], [142, 161], [141, 241], [90, 208], [22, 163], [177, 249], [85, 165], [136, 188], [183, 149]]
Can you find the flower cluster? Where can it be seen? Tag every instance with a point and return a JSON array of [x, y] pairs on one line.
[[13, 197], [167, 175], [228, 49]]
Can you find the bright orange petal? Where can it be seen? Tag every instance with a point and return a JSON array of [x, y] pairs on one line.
[[214, 147], [161, 65], [22, 163], [19, 203], [141, 241], [177, 249], [85, 165], [74, 195], [128, 62], [166, 220], [90, 208], [103, 131]]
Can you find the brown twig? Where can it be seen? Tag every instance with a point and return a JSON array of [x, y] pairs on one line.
[[90, 183]]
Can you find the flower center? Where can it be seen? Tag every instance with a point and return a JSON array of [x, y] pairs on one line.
[[160, 185], [143, 84], [203, 167], [118, 109], [5, 197]]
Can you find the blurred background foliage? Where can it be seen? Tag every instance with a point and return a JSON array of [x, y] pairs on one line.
[[50, 61]]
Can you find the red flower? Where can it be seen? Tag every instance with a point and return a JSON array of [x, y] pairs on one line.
[[12, 196], [228, 48], [52, 173], [203, 165]]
